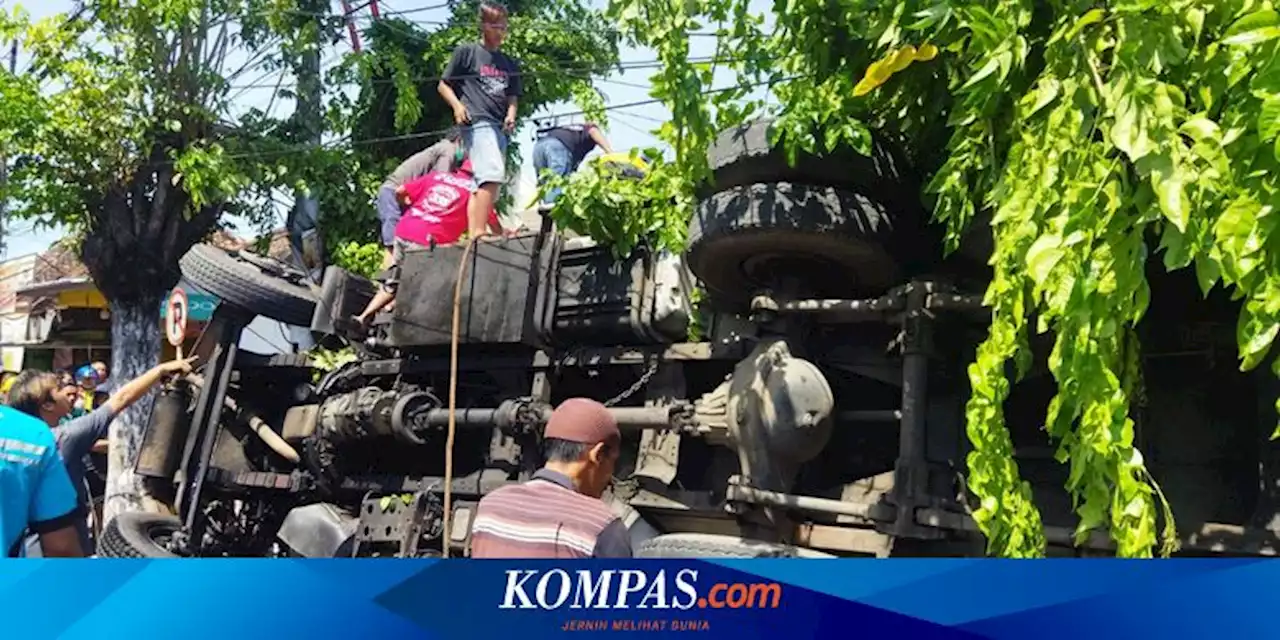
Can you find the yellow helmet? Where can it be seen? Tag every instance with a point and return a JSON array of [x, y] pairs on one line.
[[624, 164]]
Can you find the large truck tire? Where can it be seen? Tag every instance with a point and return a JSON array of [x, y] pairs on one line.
[[260, 285], [742, 156], [706, 545], [809, 241], [138, 535]]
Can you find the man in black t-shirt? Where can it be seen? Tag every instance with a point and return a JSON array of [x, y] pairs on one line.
[[482, 85], [560, 150]]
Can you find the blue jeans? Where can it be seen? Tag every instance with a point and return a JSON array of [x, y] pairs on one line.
[[388, 214], [550, 154], [486, 145]]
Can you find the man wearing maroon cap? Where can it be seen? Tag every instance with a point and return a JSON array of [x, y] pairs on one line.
[[558, 513]]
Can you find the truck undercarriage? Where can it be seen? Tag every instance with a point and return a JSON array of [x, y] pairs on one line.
[[820, 411]]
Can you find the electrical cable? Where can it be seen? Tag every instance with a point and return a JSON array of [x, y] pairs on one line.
[[563, 70]]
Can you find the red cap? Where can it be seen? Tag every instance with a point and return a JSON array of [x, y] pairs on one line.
[[582, 420]]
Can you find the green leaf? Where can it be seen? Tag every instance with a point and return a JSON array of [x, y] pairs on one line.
[[1255, 332], [1135, 508], [1207, 274], [993, 64], [1177, 250], [1091, 17], [1200, 128], [1043, 256], [1254, 28], [1276, 433], [1045, 94], [1171, 192], [1269, 118], [1195, 18]]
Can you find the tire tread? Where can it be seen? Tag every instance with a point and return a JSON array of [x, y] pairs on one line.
[[243, 285]]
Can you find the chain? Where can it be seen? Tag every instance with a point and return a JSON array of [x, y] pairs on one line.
[[644, 379]]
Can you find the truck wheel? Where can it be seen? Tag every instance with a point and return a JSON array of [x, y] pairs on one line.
[[829, 243], [706, 545], [256, 284], [742, 155], [138, 535]]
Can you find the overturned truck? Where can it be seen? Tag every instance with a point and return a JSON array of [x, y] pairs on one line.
[[819, 412]]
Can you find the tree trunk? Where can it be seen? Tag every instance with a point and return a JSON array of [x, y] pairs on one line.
[[135, 348]]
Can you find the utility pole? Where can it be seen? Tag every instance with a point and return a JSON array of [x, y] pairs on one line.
[[4, 166], [303, 223], [351, 25]]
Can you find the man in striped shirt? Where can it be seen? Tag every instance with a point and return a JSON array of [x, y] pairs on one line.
[[559, 513]]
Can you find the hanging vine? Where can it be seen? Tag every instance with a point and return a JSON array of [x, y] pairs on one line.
[[1075, 130]]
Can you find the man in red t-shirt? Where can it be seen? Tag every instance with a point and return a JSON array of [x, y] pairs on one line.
[[436, 214]]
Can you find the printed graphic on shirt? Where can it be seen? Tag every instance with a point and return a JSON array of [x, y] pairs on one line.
[[493, 81], [436, 201], [21, 452]]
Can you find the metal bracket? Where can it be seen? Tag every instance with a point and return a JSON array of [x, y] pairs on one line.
[[911, 471], [391, 527], [227, 324]]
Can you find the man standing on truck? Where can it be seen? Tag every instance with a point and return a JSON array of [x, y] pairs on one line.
[[443, 156], [482, 85], [41, 395], [559, 513], [36, 493], [560, 149], [437, 214]]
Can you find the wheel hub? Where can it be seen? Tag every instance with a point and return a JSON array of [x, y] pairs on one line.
[[796, 275]]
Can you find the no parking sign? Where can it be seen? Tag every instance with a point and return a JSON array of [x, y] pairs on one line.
[[175, 322]]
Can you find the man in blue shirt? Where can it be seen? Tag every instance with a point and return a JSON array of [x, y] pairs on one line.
[[35, 491]]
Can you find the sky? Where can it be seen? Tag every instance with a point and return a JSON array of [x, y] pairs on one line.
[[629, 127]]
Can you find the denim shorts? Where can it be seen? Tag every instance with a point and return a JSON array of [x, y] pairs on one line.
[[486, 146], [390, 278]]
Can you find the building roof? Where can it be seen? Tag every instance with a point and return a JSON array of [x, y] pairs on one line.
[[61, 262]]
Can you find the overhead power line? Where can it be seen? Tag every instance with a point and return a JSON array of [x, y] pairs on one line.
[[346, 139], [573, 71]]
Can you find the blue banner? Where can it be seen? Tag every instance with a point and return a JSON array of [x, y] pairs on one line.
[[740, 599], [201, 306]]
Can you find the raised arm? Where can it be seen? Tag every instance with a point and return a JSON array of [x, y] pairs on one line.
[[598, 135], [134, 389]]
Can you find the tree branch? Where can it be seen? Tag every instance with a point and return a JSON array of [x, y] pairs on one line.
[[165, 200]]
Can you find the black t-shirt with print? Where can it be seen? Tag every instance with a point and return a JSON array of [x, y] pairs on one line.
[[484, 80]]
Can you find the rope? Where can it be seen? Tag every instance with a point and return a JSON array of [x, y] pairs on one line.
[[453, 398]]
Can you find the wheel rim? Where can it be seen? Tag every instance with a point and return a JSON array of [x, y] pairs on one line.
[[795, 274], [164, 537]]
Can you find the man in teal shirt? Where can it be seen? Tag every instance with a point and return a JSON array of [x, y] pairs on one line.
[[35, 490]]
